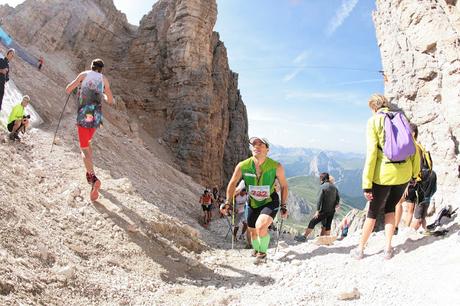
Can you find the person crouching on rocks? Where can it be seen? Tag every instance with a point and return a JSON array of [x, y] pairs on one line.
[[18, 121], [259, 173]]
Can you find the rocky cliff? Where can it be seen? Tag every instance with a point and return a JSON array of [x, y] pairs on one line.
[[170, 75], [419, 43]]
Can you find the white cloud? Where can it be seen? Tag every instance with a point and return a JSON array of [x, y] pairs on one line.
[[341, 14], [299, 60]]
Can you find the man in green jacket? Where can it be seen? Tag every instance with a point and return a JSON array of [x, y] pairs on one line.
[[18, 121], [259, 173]]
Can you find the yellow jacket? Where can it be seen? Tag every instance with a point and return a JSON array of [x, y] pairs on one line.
[[377, 168]]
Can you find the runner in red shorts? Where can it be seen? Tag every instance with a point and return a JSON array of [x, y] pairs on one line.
[[94, 88]]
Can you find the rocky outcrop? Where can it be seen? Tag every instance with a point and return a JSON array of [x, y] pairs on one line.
[[170, 75], [419, 44]]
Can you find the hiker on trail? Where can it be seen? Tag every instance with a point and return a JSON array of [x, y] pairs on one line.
[[206, 202], [426, 184], [18, 121], [386, 174], [5, 72], [40, 63], [94, 88], [419, 191], [259, 173], [326, 206], [240, 202]]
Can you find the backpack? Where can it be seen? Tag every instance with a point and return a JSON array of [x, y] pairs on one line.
[[426, 164], [399, 143]]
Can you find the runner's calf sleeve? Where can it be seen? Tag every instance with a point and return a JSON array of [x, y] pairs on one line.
[[256, 245], [264, 241]]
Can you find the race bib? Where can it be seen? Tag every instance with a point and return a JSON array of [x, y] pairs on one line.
[[259, 193]]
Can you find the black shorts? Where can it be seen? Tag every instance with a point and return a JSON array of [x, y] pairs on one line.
[[324, 218], [206, 207], [385, 199], [270, 209], [11, 125], [421, 210]]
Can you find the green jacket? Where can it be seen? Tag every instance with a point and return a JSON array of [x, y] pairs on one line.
[[17, 113], [377, 168], [259, 189]]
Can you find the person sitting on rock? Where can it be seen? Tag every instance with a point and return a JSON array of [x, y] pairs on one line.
[[18, 121], [206, 201], [327, 203]]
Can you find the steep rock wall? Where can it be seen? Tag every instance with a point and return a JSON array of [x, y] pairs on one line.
[[170, 75], [419, 43]]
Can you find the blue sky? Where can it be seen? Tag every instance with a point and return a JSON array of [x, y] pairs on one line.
[[293, 58]]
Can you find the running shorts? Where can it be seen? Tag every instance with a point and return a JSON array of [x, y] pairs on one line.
[[270, 209], [324, 218], [85, 135], [384, 199]]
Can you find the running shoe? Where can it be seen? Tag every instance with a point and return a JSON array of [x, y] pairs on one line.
[[356, 253], [388, 254], [96, 185], [260, 258], [300, 238]]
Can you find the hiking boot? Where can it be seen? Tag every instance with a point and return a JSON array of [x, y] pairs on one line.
[[356, 253], [388, 254], [300, 238], [260, 258]]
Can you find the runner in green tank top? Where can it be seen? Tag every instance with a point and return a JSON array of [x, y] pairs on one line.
[[259, 173]]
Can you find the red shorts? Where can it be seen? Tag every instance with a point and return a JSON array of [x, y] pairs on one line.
[[85, 135]]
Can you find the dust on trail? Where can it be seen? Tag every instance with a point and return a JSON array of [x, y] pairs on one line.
[[58, 248]]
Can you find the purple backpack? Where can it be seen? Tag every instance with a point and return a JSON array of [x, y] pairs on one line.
[[399, 143]]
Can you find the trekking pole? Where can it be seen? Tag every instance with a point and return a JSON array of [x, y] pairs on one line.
[[279, 234], [59, 122], [233, 220]]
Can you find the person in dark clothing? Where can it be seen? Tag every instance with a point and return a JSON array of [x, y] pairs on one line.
[[327, 203], [4, 72]]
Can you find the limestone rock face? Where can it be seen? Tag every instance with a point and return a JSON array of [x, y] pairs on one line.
[[419, 44], [171, 73]]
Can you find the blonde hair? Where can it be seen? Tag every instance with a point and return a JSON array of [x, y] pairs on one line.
[[377, 101], [26, 98]]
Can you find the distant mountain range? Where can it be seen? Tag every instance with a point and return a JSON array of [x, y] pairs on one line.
[[303, 166]]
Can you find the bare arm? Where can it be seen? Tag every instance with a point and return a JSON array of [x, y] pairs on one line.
[[75, 83], [236, 177], [284, 188], [108, 91]]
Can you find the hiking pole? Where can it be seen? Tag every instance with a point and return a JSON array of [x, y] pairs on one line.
[[59, 122], [233, 220], [279, 234]]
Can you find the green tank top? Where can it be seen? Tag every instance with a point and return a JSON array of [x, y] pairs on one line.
[[259, 189]]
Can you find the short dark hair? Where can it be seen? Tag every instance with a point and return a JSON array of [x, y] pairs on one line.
[[324, 177], [414, 129], [97, 65]]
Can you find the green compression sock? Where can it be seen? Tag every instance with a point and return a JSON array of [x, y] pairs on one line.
[[256, 244], [264, 241]]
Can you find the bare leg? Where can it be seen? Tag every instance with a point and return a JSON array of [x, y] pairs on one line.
[[367, 230], [410, 213], [308, 231], [389, 229], [398, 212], [323, 231], [87, 155]]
